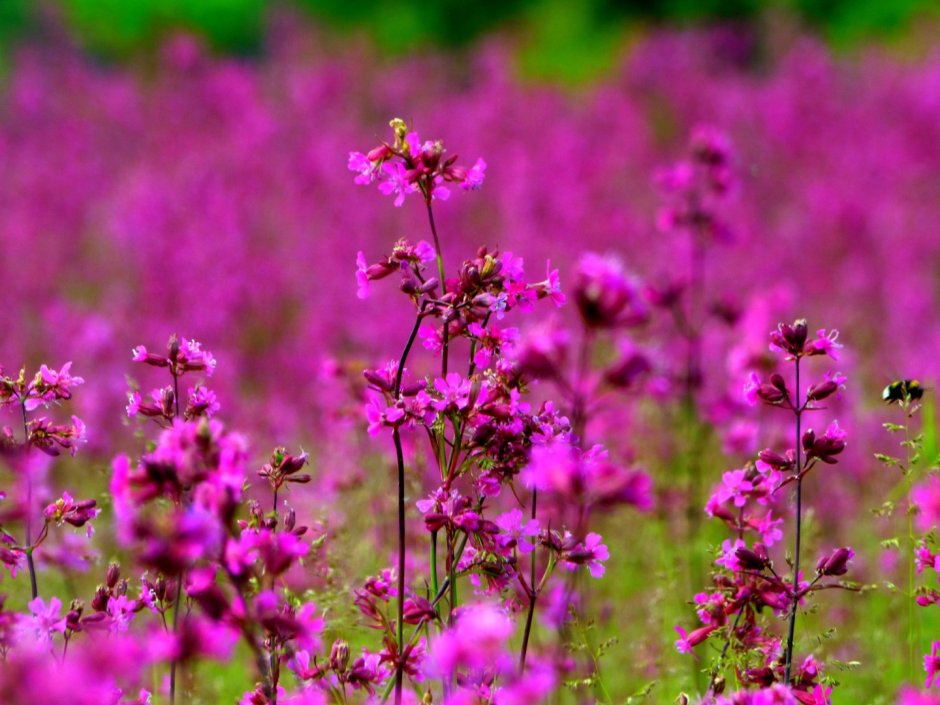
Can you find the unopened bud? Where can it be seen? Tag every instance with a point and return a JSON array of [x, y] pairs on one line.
[[822, 390], [99, 602], [339, 656], [836, 563]]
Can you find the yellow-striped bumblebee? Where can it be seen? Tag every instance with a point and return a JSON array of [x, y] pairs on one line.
[[903, 390]]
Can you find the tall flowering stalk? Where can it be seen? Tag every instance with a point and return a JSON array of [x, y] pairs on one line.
[[178, 510], [609, 304], [182, 357], [695, 191], [748, 501], [406, 166], [481, 432]]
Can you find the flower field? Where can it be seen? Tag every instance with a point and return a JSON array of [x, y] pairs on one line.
[[328, 379]]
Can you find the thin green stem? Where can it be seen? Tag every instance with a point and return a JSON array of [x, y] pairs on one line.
[[437, 243], [28, 520], [434, 585], [533, 593], [400, 461], [911, 547], [179, 581], [797, 410]]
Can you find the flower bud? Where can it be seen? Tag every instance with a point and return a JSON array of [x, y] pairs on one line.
[[836, 563], [99, 602], [774, 459], [809, 438], [796, 335], [113, 575], [822, 390], [771, 394], [755, 559], [412, 389], [339, 656], [428, 285], [379, 154]]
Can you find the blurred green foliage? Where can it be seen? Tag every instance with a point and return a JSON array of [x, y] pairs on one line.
[[571, 40]]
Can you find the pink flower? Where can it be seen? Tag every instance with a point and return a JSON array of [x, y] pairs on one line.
[[396, 182], [362, 275], [45, 622], [121, 610], [734, 487], [455, 392], [364, 168], [473, 181], [926, 498], [825, 344], [931, 665], [728, 558], [751, 388], [553, 285], [687, 642], [590, 553], [517, 532], [478, 639]]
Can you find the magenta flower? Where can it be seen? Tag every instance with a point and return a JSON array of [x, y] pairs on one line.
[[931, 665], [729, 558], [590, 553], [52, 385], [825, 343], [478, 639], [365, 169], [454, 391], [926, 498], [751, 387], [475, 175], [121, 610], [396, 182], [362, 275], [71, 512], [552, 285], [688, 641], [923, 558], [45, 622], [734, 486], [517, 532]]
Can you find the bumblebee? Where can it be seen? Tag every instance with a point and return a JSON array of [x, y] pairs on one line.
[[903, 390]]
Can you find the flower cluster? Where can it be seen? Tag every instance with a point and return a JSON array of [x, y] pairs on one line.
[[696, 187], [46, 388], [407, 165], [182, 357]]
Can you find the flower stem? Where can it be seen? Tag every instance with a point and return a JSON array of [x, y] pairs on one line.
[[437, 243], [797, 410], [434, 585], [533, 594], [401, 563], [179, 581], [33, 585], [911, 547], [400, 459], [176, 618]]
